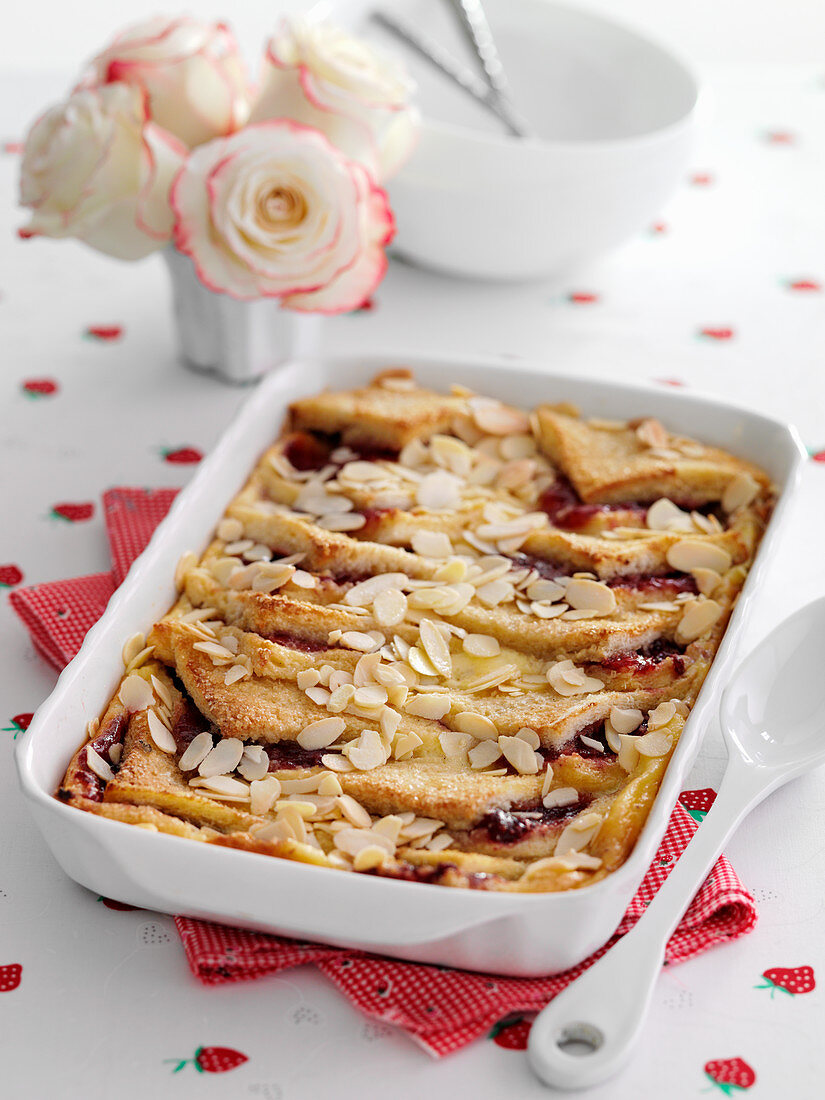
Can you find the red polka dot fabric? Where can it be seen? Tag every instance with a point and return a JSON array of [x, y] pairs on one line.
[[443, 1010]]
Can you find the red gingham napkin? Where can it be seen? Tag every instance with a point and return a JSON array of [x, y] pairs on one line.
[[441, 1009]]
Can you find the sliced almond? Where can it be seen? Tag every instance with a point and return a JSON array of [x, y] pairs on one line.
[[307, 678], [222, 785], [485, 753], [530, 736], [591, 596], [230, 529], [689, 554], [480, 645], [254, 763], [353, 811], [356, 639], [365, 592], [707, 580], [430, 706], [578, 833], [495, 418], [431, 544], [663, 714], [369, 857], [628, 754], [353, 841], [160, 734], [367, 752], [390, 607], [560, 796], [438, 491], [454, 744], [223, 758], [188, 560], [518, 753], [436, 647], [262, 795], [652, 433], [136, 693], [197, 750], [405, 745], [625, 719], [740, 491], [664, 515], [477, 725], [98, 765], [657, 743], [336, 763], [321, 734], [699, 617], [567, 680]]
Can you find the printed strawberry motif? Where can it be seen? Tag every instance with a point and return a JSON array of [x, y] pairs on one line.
[[212, 1060], [19, 724], [582, 297], [818, 456], [511, 1034], [790, 979], [367, 306], [10, 977], [701, 179], [11, 148], [39, 387], [669, 381], [10, 575], [712, 333], [104, 332], [804, 285], [730, 1074], [182, 456], [74, 513], [697, 803], [658, 228], [780, 137]]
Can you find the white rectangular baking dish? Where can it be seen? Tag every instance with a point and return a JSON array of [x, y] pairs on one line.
[[498, 933]]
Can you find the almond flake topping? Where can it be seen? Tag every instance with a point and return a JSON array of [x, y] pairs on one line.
[[160, 734], [740, 491], [477, 725], [356, 639], [223, 758], [321, 734], [196, 751], [495, 418], [699, 617], [431, 544], [651, 433], [136, 693], [560, 796], [435, 647], [439, 490], [262, 795], [568, 680], [481, 645], [230, 529], [707, 580], [591, 596], [133, 646], [369, 857], [664, 515], [455, 744], [659, 717], [307, 678], [98, 765], [484, 753], [254, 763], [518, 753], [431, 706], [578, 834], [366, 752], [364, 593], [353, 841], [390, 607], [689, 554], [625, 719], [657, 743]]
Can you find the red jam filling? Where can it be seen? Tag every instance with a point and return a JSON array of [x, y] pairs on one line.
[[566, 510], [293, 641], [666, 583], [510, 826], [647, 659], [90, 785], [285, 755], [312, 451], [187, 723]]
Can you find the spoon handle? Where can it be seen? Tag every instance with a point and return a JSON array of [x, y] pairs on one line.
[[606, 1007], [473, 20]]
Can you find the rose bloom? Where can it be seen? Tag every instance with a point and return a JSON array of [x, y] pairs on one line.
[[95, 168], [320, 75], [191, 72], [276, 211]]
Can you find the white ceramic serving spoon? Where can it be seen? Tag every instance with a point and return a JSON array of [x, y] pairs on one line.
[[773, 718]]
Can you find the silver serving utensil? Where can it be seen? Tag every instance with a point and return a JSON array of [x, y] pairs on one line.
[[773, 718], [473, 21], [447, 64]]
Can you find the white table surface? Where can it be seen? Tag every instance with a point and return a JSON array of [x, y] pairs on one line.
[[107, 996]]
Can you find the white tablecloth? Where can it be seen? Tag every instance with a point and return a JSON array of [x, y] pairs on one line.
[[105, 997]]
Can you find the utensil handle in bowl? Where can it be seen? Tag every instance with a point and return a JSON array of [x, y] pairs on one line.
[[604, 1010]]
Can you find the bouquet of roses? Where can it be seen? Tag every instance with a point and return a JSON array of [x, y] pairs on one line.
[[273, 191]]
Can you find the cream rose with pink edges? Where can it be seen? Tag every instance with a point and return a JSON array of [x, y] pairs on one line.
[[276, 211], [191, 72], [319, 75], [95, 168]]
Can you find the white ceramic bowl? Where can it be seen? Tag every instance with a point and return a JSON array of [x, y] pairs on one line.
[[615, 116], [518, 934]]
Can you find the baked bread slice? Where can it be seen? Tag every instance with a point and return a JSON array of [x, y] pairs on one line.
[[434, 638]]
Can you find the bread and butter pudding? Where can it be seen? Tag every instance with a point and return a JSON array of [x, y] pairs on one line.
[[435, 638]]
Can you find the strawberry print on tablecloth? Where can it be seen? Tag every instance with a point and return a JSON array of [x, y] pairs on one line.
[[10, 975], [731, 1075], [211, 1060], [789, 979], [73, 512], [106, 333], [39, 387], [10, 575], [19, 724], [182, 456]]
